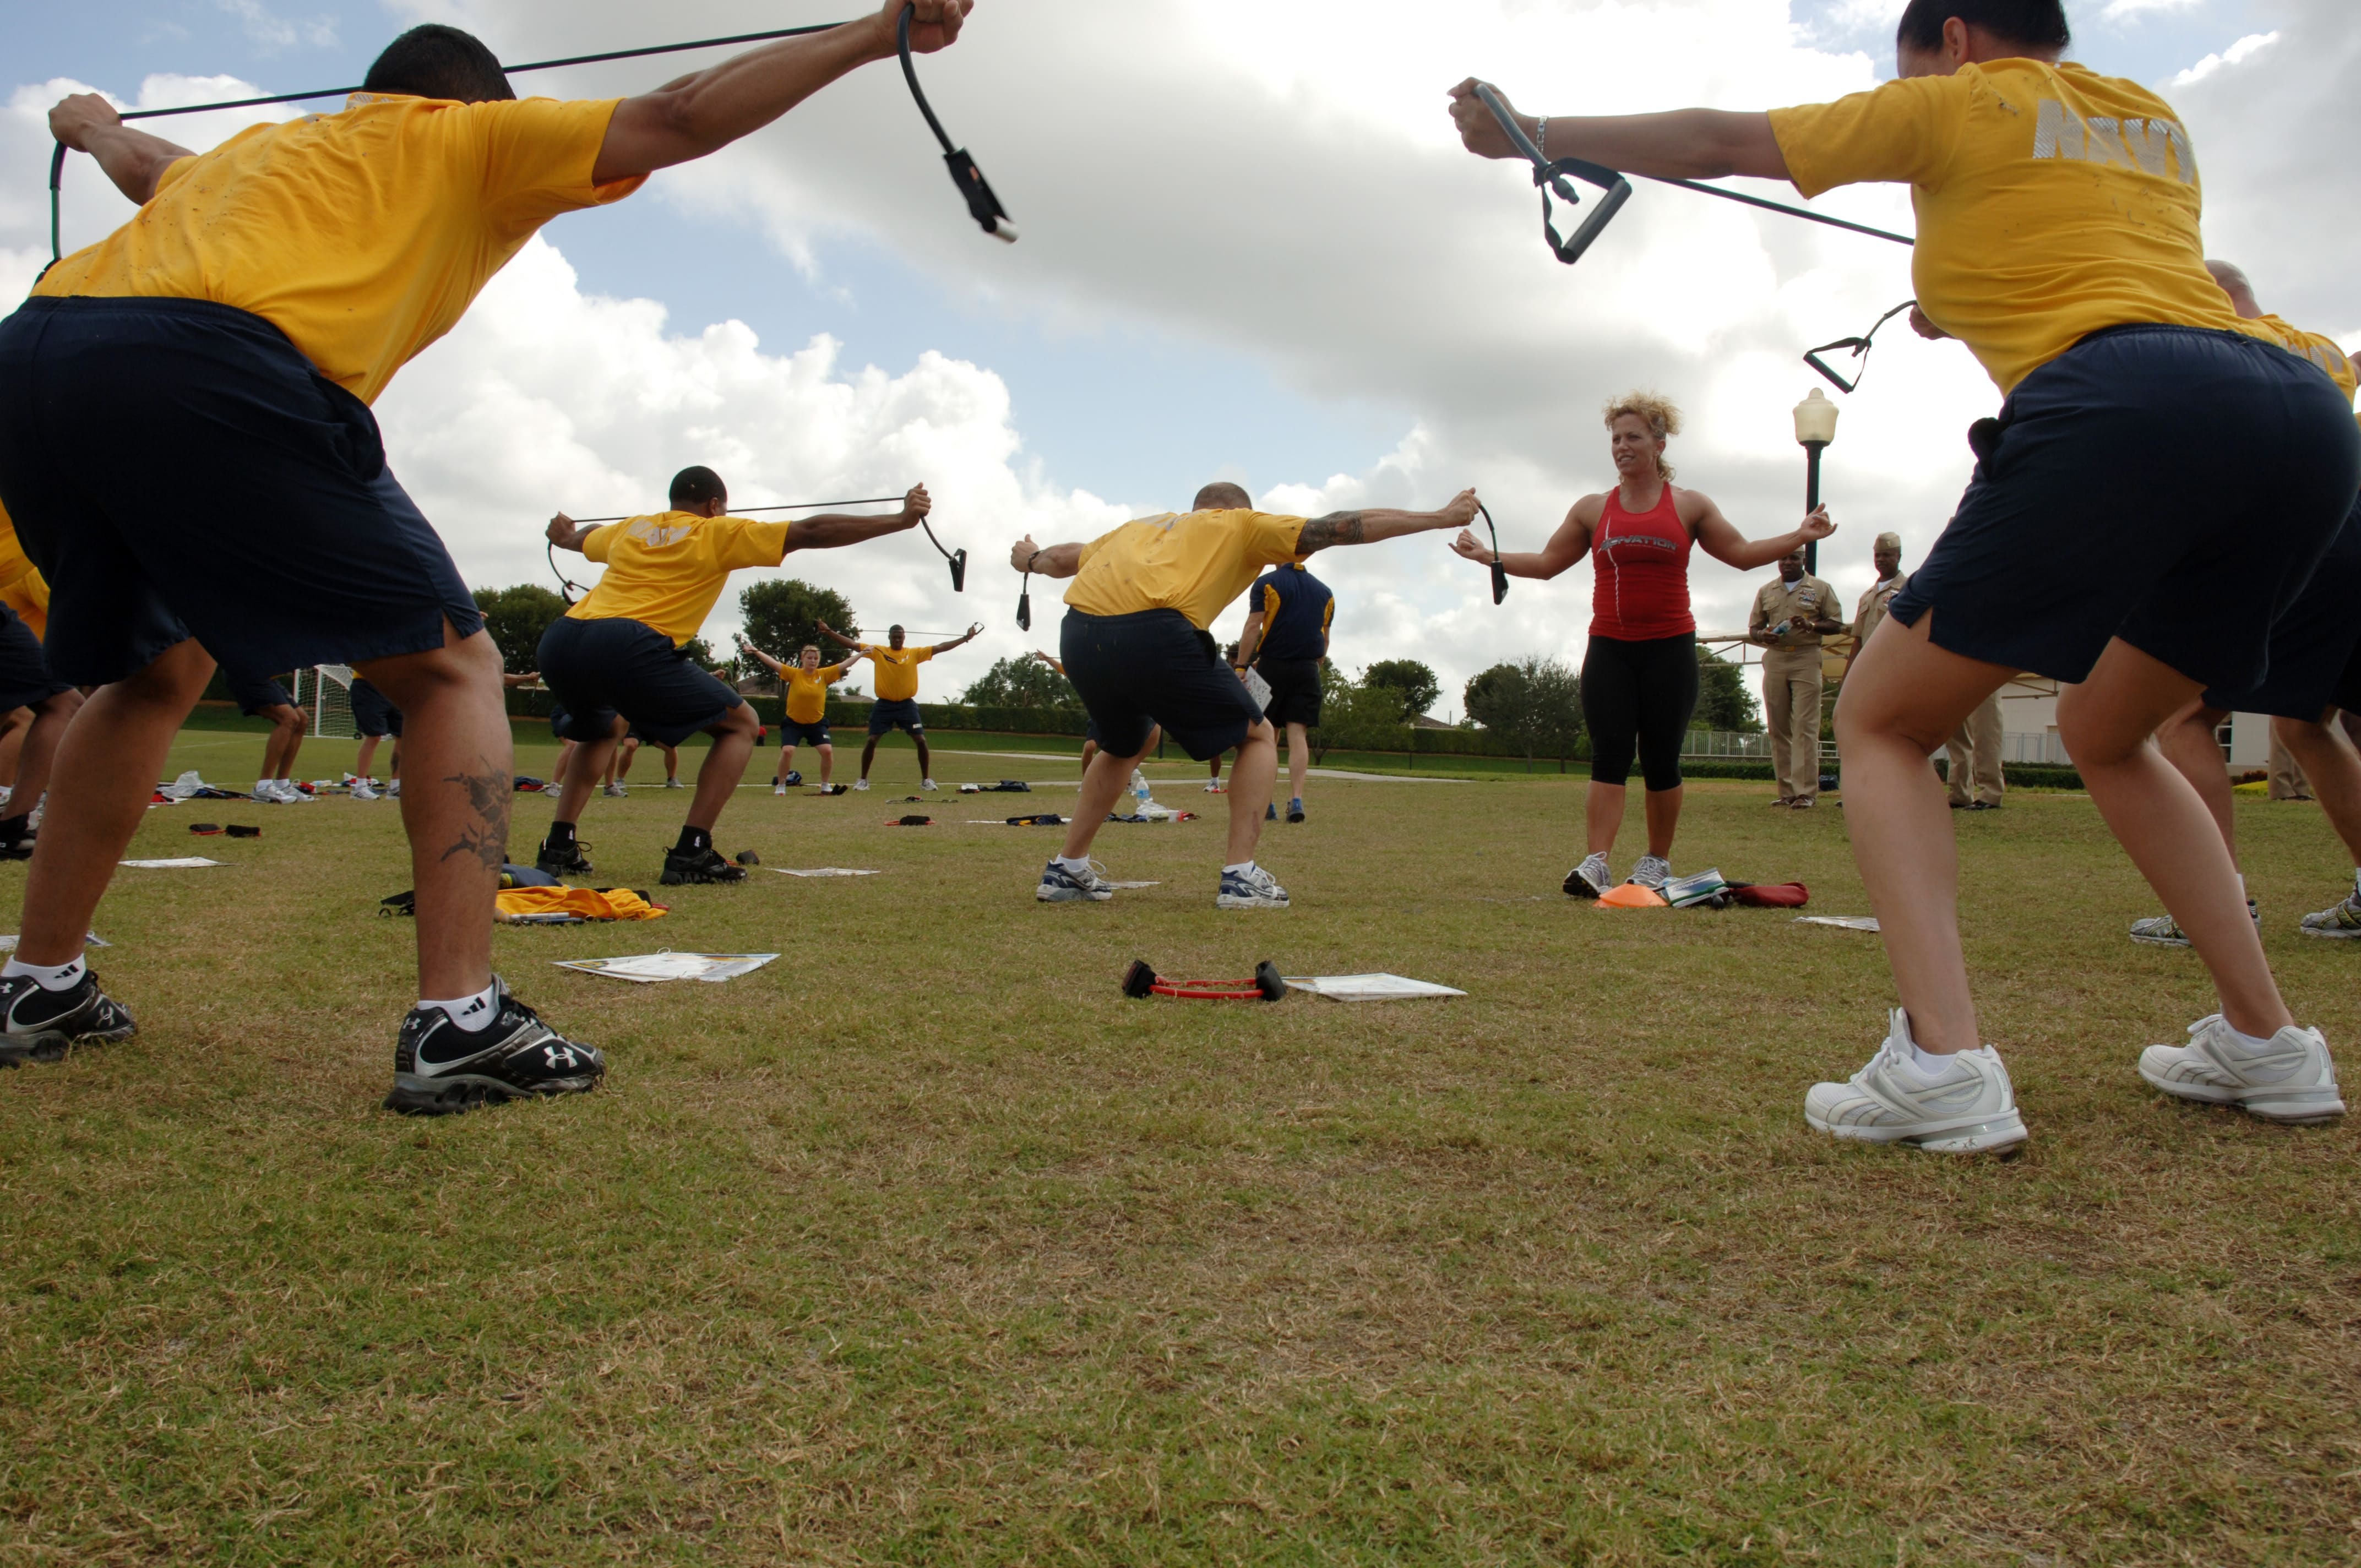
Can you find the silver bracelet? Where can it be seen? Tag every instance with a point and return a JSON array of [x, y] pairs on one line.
[[1540, 136]]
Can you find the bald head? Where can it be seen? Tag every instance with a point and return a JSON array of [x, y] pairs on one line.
[[2234, 283], [1221, 496]]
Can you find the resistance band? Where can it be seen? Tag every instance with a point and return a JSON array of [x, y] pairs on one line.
[[1141, 980], [1860, 346], [1499, 573], [1025, 596], [979, 200]]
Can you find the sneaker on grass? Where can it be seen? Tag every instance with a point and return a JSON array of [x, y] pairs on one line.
[[927, 784], [1253, 888], [393, 790], [675, 783], [1270, 812], [40, 1024], [1065, 884], [615, 791], [684, 868], [778, 789], [2163, 931], [1965, 1105], [2288, 1077], [1651, 873], [1591, 879], [2342, 920], [1295, 809], [440, 1068], [362, 792], [572, 859], [860, 783]]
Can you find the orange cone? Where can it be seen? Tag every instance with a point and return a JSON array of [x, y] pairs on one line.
[[1632, 895]]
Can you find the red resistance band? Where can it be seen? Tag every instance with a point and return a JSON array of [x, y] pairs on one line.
[[1141, 980]]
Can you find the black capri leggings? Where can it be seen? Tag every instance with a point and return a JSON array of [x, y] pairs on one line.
[[1639, 696]]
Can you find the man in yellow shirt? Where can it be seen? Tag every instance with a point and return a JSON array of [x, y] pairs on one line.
[[2175, 470], [223, 347], [624, 651], [806, 705], [1136, 646], [26, 683], [896, 706]]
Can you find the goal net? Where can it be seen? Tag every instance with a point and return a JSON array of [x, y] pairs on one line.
[[325, 693]]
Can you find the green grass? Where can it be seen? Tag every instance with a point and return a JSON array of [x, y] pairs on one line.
[[924, 1245]]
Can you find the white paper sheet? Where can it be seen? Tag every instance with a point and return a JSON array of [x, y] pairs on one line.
[[184, 862], [1368, 987], [823, 871], [649, 967], [1842, 922], [8, 942]]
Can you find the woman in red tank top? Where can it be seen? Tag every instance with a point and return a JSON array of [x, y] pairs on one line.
[[1639, 674]]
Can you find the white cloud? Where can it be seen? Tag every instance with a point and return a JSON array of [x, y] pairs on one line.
[[2122, 10], [2236, 54], [271, 32]]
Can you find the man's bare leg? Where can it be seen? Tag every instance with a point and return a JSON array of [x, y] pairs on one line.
[[868, 758], [462, 773], [586, 768], [1602, 817], [1298, 759], [925, 758], [2188, 743], [51, 716], [725, 765], [1107, 778], [14, 726], [103, 777], [367, 755], [2107, 723], [2332, 765], [1251, 777]]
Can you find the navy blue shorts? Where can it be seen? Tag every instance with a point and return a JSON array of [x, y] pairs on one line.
[[177, 468], [253, 693], [796, 732], [373, 711], [25, 677], [1153, 667], [597, 669], [2316, 643], [1294, 690], [2169, 486], [900, 714]]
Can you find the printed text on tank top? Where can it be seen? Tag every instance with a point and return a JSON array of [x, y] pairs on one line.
[[1639, 570]]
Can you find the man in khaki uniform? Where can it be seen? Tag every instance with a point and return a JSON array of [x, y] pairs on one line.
[[1790, 617], [1891, 580]]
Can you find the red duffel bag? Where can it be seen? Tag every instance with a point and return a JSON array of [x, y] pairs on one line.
[[1769, 895]]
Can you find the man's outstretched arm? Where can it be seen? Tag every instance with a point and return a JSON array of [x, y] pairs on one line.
[[135, 160], [1368, 527], [706, 111], [1680, 144], [1045, 560], [569, 534], [973, 632], [827, 630], [833, 530]]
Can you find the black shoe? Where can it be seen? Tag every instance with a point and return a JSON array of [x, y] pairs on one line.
[[566, 861], [699, 866], [440, 1068], [40, 1024], [1295, 811], [1270, 812], [1982, 806]]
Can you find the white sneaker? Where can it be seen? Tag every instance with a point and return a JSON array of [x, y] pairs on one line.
[[361, 791], [1214, 787], [1970, 1110], [860, 783], [1589, 879], [1651, 873], [675, 783], [2291, 1079], [616, 791], [1253, 888], [393, 790], [267, 791], [927, 784], [778, 789]]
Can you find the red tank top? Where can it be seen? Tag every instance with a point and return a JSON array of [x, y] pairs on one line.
[[1639, 565]]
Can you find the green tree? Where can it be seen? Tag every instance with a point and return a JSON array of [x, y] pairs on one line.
[[516, 618], [1416, 683], [1535, 705], [701, 652], [1363, 716], [1723, 701], [782, 616], [1025, 683]]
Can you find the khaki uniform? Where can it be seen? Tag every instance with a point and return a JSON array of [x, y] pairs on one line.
[[1792, 682], [1872, 607], [2287, 779], [1975, 754]]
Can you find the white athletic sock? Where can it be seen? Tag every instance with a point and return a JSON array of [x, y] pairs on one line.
[[1239, 870], [470, 1013], [2245, 1042], [51, 977], [1075, 862], [1932, 1065]]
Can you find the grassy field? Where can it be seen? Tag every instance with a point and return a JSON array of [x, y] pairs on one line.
[[924, 1245]]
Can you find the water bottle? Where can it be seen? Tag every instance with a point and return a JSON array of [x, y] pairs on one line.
[[1138, 789]]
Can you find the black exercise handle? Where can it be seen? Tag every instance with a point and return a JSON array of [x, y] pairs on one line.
[[1499, 573], [1551, 176], [1860, 346], [958, 558], [982, 204]]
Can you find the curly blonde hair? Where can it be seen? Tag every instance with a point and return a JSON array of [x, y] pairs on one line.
[[1658, 413]]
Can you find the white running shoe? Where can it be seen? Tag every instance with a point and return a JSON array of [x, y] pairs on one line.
[[860, 783], [393, 790], [1651, 873], [2163, 931], [267, 791], [1214, 787], [1253, 888], [675, 783], [615, 791], [2342, 920], [1060, 885], [2291, 1079], [929, 784], [778, 789], [361, 791], [1589, 879], [1970, 1110]]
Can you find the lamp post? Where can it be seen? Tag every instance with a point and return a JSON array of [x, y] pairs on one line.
[[1815, 427]]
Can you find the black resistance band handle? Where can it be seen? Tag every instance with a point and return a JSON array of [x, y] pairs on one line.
[[1859, 345], [1551, 176], [982, 204], [1499, 573]]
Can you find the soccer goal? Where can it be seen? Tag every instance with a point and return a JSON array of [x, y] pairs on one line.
[[324, 692]]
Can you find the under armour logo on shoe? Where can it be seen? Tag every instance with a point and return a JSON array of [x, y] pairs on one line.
[[559, 1055]]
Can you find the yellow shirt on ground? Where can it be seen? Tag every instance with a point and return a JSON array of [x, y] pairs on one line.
[[808, 691], [1196, 562], [364, 234], [897, 669], [667, 570], [22, 586], [2052, 201]]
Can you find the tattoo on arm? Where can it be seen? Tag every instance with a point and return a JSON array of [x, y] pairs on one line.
[[486, 834], [1336, 528]]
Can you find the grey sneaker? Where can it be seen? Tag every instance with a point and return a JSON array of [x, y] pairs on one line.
[[675, 783], [1253, 888], [2163, 931], [1060, 885], [40, 1024], [2290, 1079], [1651, 873], [1589, 879], [2343, 920], [1971, 1109]]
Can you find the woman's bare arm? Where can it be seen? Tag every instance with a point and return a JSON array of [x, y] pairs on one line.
[[1719, 538]]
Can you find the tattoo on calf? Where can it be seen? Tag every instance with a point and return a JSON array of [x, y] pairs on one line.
[[1336, 528], [489, 792]]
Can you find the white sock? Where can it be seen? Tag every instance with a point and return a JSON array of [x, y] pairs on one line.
[[1930, 1065], [470, 1013], [51, 977], [1075, 862], [1239, 870], [2246, 1043]]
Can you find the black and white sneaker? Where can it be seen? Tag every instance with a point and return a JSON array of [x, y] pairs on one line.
[[570, 859], [1589, 879], [40, 1024], [699, 866], [440, 1069]]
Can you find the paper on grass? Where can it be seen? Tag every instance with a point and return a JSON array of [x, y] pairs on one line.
[[1127, 885], [1842, 922], [648, 968], [8, 942], [183, 863], [1368, 987], [823, 871]]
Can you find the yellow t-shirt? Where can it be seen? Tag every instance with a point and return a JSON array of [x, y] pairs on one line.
[[22, 586], [364, 234], [2052, 201], [1196, 562], [808, 691], [897, 669], [667, 570]]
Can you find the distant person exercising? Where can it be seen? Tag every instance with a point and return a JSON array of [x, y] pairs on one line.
[[806, 682], [896, 706], [1289, 612], [261, 696], [1137, 650], [1640, 673]]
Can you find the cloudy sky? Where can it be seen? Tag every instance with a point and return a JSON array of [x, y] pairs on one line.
[[1252, 251]]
